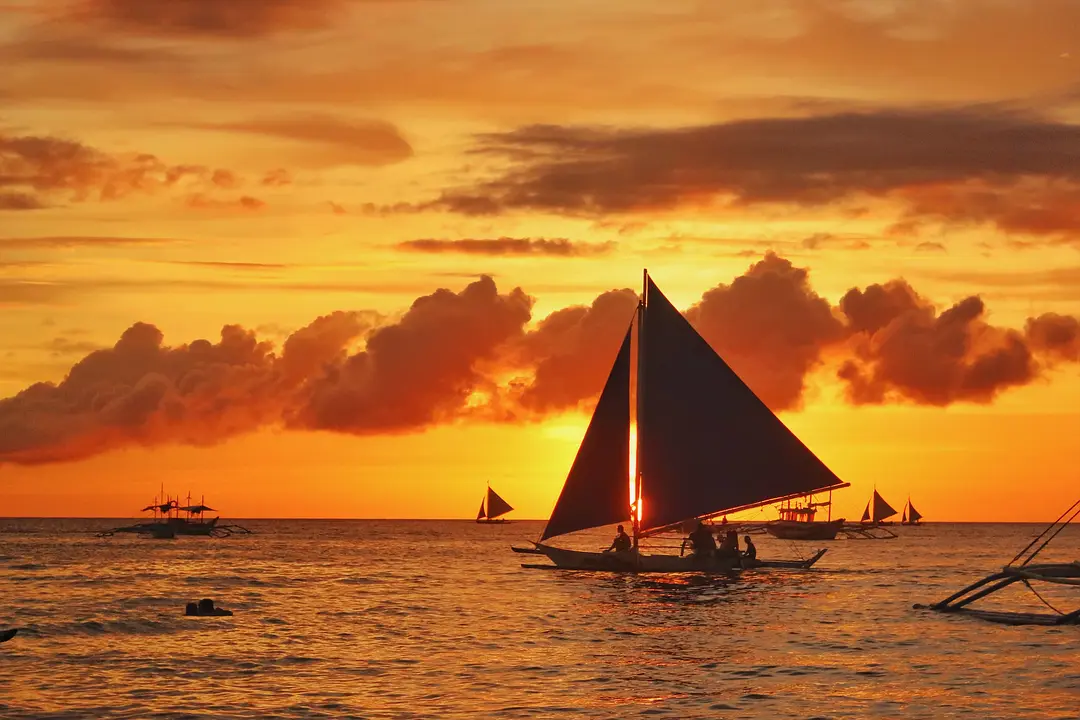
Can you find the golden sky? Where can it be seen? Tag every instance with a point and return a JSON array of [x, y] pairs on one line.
[[358, 258]]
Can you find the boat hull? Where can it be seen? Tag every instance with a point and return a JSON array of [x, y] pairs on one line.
[[496, 521], [631, 561], [794, 530]]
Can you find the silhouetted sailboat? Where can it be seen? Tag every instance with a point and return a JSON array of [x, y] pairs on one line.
[[496, 506], [910, 516], [706, 446], [877, 510]]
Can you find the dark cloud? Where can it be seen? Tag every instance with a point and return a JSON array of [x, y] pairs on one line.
[[770, 326], [1055, 336], [410, 374], [230, 19], [37, 169], [978, 164], [245, 203], [19, 201], [560, 247], [904, 349]]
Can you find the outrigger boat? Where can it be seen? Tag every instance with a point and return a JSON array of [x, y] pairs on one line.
[[797, 522], [1061, 573], [495, 507], [167, 522], [910, 516], [705, 446]]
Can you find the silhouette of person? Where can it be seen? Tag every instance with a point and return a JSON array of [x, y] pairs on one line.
[[750, 556], [701, 541], [621, 542]]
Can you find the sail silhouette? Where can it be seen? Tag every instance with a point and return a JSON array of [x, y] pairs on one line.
[[496, 506], [597, 488], [708, 443]]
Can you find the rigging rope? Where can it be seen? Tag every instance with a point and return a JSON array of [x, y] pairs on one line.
[[1044, 602]]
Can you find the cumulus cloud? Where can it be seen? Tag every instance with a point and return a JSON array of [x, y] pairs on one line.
[[473, 354], [770, 326], [409, 374], [980, 164], [559, 247]]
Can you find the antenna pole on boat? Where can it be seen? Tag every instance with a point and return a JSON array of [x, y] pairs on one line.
[[635, 506]]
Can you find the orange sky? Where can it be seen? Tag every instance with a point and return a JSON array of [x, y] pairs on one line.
[[870, 206]]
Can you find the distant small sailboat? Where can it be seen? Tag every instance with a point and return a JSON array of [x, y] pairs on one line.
[[911, 516], [496, 507], [877, 510]]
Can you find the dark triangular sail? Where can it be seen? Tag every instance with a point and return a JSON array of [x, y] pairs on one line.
[[913, 514], [903, 518], [865, 513], [480, 515], [707, 443], [597, 489], [882, 509], [496, 506]]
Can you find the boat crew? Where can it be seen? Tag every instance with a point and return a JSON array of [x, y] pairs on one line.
[[701, 541], [621, 543], [750, 556]]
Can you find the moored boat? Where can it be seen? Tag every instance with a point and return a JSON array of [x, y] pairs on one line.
[[797, 522], [706, 446]]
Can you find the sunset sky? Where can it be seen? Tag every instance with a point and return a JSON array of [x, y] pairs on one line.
[[358, 258]]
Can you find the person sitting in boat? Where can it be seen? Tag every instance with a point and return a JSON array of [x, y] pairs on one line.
[[205, 608], [701, 542], [622, 542], [750, 556], [729, 548]]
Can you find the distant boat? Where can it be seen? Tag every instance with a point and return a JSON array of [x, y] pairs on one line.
[[706, 446], [877, 510], [167, 522], [910, 516], [1066, 574], [797, 522], [496, 507]]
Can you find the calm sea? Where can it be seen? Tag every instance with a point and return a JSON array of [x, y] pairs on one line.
[[339, 619]]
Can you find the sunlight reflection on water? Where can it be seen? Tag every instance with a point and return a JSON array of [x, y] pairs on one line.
[[437, 619]]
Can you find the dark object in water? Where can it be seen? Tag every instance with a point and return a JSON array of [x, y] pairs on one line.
[[8, 634], [205, 608], [1026, 573]]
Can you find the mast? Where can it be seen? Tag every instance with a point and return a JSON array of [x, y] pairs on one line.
[[635, 504]]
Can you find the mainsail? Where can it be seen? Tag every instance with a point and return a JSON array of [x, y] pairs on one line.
[[913, 515], [882, 509], [707, 443], [480, 515], [597, 489], [496, 506]]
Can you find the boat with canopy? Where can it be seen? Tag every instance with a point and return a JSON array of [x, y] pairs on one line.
[[1022, 570], [492, 507], [167, 521], [705, 446]]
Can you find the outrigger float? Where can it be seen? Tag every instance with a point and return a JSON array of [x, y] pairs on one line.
[[1025, 572], [167, 522], [706, 446]]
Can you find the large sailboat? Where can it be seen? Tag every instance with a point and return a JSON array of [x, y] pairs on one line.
[[910, 516], [495, 507], [705, 446]]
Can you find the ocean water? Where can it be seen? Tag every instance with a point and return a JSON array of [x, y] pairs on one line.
[[393, 619]]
